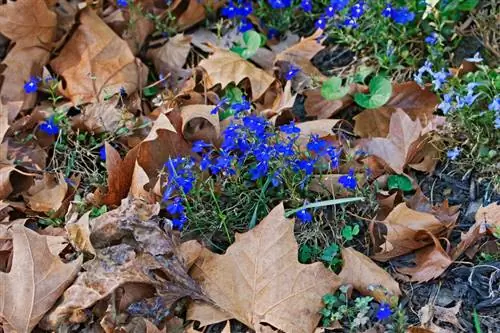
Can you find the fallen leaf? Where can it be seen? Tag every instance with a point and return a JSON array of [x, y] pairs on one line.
[[193, 11], [149, 256], [398, 149], [284, 101], [487, 219], [79, 233], [95, 63], [224, 67], [172, 55], [259, 280], [101, 117], [367, 277], [119, 174], [432, 315], [47, 194], [430, 262], [198, 123], [36, 280], [317, 106], [418, 103], [28, 23], [402, 226]]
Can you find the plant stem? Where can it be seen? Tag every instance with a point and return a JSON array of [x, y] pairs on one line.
[[324, 203], [253, 221]]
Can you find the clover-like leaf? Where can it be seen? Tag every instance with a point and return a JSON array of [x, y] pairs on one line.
[[380, 93], [332, 89]]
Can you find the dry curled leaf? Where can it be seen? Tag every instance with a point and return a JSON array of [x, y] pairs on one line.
[[366, 277], [149, 256], [34, 283], [172, 55], [260, 281], [96, 63], [47, 194], [224, 67], [198, 123]]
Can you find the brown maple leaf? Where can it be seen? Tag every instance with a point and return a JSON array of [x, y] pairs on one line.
[[259, 280], [224, 67], [34, 283]]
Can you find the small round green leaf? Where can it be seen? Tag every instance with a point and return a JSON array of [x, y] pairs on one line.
[[399, 182], [332, 89]]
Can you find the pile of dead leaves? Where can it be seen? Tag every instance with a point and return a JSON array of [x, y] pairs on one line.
[[126, 270]]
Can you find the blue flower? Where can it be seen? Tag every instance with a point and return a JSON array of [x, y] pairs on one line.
[[445, 105], [284, 149], [222, 102], [245, 9], [276, 179], [304, 216], [49, 127], [230, 10], [334, 155], [245, 25], [432, 39], [205, 162], [453, 153], [279, 4], [176, 207], [440, 78], [255, 124], [102, 153], [495, 104], [306, 5], [122, 3], [357, 10], [272, 33], [290, 128], [387, 11], [292, 72], [476, 58], [242, 106], [348, 181], [259, 170], [320, 23], [317, 145], [223, 164], [306, 165], [178, 223], [349, 22], [32, 85], [329, 11], [199, 145], [339, 4], [497, 121], [384, 311], [402, 15]]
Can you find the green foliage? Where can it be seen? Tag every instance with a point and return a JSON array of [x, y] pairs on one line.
[[332, 89], [399, 322], [399, 182], [98, 211], [380, 93], [252, 41], [348, 232], [338, 307]]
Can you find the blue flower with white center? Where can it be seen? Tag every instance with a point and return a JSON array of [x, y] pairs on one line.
[[440, 78], [432, 39], [320, 23], [292, 72], [256, 125], [339, 4], [199, 146], [445, 105], [317, 145], [179, 222], [387, 11], [242, 106], [349, 181], [245, 10], [357, 10], [334, 155], [176, 207], [384, 311], [230, 10], [453, 153], [279, 4], [259, 170], [49, 127], [306, 5], [304, 216], [350, 23], [476, 58], [31, 86], [329, 11], [290, 128], [222, 102], [306, 165], [205, 162], [245, 25]]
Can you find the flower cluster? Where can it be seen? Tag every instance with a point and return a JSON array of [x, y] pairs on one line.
[[239, 11], [253, 149]]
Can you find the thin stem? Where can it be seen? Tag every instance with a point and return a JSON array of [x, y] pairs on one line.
[[253, 221]]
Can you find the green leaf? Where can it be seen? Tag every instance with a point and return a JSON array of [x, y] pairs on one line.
[[332, 89], [348, 233], [252, 42], [329, 299], [330, 253], [150, 91], [399, 182], [380, 93], [362, 73], [468, 5]]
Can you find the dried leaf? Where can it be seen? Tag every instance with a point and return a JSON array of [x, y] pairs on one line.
[[418, 103], [259, 280], [301, 53], [198, 123], [284, 101], [47, 194], [149, 256], [28, 23], [431, 315], [224, 67], [172, 55], [367, 277], [79, 233], [398, 148], [316, 106], [430, 262], [194, 12], [96, 63], [34, 283], [101, 117]]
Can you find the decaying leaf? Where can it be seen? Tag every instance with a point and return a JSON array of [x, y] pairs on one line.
[[398, 149], [198, 123], [259, 280], [193, 11], [47, 194], [172, 55], [366, 277], [101, 117], [430, 262], [34, 283], [96, 63], [282, 102], [224, 67], [432, 315], [79, 233], [149, 257], [28, 23]]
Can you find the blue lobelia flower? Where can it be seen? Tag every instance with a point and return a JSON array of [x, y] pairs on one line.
[[350, 22], [304, 216], [321, 22], [339, 4], [292, 72], [49, 127], [497, 121], [357, 10], [242, 106], [245, 25], [349, 181], [259, 170], [102, 153], [446, 105], [317, 145], [176, 207], [402, 15], [245, 10], [432, 39], [122, 3], [384, 311], [279, 4], [387, 11], [31, 85], [199, 146], [229, 10], [440, 78], [495, 104], [329, 11], [306, 5], [306, 165], [452, 154], [290, 128], [179, 222]]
